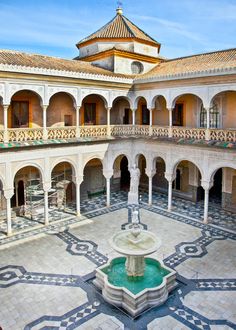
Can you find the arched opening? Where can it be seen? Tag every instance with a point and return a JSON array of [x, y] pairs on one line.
[[159, 182], [187, 110], [28, 198], [187, 183], [94, 183], [142, 113], [141, 163], [121, 113], [25, 110], [61, 110], [124, 174], [223, 191], [222, 111], [63, 191], [160, 113], [93, 111]]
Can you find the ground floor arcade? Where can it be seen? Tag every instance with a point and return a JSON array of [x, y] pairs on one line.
[[53, 289]]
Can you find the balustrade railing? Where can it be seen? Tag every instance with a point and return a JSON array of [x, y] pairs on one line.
[[25, 134], [189, 133], [98, 131], [223, 135], [92, 131], [67, 132]]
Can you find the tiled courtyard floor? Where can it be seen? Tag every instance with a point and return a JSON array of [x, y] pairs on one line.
[[45, 282]]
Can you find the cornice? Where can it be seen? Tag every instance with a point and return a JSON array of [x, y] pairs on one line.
[[187, 75], [123, 54], [62, 73]]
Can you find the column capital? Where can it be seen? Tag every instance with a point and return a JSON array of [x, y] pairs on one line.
[[169, 177], [8, 193], [150, 173], [45, 106], [47, 186], [108, 174], [6, 106], [207, 185], [78, 180]]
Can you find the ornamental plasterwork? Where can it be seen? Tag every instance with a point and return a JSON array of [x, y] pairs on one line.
[[14, 88], [54, 90]]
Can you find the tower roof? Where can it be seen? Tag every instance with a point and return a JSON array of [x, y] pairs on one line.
[[120, 27]]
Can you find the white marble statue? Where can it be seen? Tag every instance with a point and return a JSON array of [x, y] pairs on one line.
[[134, 184]]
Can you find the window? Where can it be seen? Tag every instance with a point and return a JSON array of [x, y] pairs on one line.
[[20, 114], [214, 116], [145, 115], [178, 115], [90, 113], [136, 67]]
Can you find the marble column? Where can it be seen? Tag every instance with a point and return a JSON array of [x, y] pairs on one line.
[[170, 123], [133, 117], [77, 185], [78, 121], [206, 205], [5, 121], [108, 191], [46, 215], [8, 195], [109, 121], [45, 132]]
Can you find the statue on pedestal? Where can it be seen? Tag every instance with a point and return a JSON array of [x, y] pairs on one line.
[[134, 184]]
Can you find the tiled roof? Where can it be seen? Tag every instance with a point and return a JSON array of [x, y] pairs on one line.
[[118, 28], [217, 60], [16, 58]]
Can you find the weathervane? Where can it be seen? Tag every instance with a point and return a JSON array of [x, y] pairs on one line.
[[119, 4], [119, 8]]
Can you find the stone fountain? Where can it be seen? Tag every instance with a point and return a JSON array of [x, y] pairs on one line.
[[135, 282]]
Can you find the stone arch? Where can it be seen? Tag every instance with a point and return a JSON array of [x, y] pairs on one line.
[[94, 182], [173, 166], [154, 99], [121, 175], [65, 91], [25, 109], [216, 167], [95, 93], [24, 184], [22, 165], [61, 110], [215, 92], [90, 158], [121, 112], [222, 109], [32, 88], [137, 99], [127, 98], [63, 160], [178, 95], [93, 110]]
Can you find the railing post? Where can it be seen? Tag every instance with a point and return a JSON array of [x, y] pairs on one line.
[[78, 121], [170, 123], [45, 132], [5, 120]]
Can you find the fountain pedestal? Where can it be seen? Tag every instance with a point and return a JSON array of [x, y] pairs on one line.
[[135, 266]]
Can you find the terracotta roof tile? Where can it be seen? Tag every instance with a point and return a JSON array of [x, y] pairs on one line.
[[46, 62], [119, 27], [196, 63]]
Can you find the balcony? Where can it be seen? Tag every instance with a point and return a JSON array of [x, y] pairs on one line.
[[104, 131]]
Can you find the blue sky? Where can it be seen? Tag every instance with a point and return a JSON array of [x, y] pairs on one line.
[[53, 27]]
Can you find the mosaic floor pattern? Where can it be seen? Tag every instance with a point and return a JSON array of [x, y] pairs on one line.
[[46, 283]]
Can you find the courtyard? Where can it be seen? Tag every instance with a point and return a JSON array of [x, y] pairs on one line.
[[46, 273]]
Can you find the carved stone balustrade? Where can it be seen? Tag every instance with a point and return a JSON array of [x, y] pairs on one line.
[[98, 131]]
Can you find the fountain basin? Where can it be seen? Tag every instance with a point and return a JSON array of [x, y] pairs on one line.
[[135, 294]]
